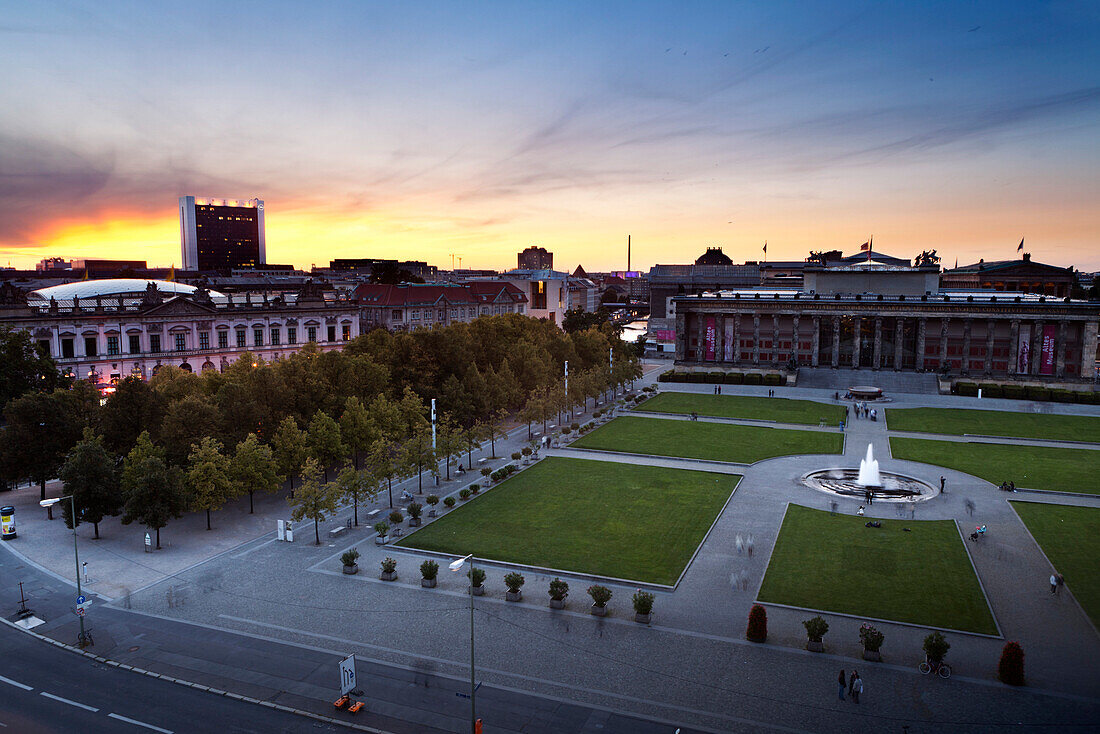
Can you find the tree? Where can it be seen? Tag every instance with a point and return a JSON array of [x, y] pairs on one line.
[[494, 427], [448, 441], [357, 486], [91, 477], [41, 429], [357, 429], [289, 444], [315, 500], [471, 439], [24, 366], [208, 475], [187, 422], [133, 407], [416, 453], [382, 462], [324, 442], [254, 469], [152, 491]]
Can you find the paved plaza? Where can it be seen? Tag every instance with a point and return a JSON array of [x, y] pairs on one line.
[[691, 667]]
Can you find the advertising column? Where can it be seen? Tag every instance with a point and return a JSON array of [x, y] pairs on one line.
[[7, 523]]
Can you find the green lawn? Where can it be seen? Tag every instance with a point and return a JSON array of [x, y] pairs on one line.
[[959, 421], [835, 564], [780, 410], [1033, 467], [633, 522], [1070, 536], [701, 440]]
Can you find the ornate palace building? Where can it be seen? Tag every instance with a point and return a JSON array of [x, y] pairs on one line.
[[878, 314], [104, 330]]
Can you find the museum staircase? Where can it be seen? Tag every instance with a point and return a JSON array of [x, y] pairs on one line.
[[825, 378]]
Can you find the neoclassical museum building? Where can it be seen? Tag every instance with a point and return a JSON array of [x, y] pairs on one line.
[[889, 315], [105, 330]]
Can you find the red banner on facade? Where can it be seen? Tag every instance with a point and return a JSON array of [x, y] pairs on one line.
[[1046, 365], [709, 340]]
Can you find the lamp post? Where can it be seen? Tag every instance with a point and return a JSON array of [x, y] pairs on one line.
[[76, 553], [457, 566]]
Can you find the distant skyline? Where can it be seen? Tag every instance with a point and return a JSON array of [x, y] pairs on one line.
[[422, 131]]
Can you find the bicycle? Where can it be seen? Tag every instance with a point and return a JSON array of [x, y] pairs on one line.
[[84, 639], [941, 668]]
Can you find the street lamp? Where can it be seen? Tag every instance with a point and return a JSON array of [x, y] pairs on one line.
[[456, 566], [76, 554]]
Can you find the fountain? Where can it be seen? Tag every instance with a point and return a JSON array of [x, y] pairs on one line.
[[868, 471], [883, 486]]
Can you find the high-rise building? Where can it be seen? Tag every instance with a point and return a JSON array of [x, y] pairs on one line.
[[221, 234], [535, 258]]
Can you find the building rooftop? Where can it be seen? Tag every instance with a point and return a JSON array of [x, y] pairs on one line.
[[110, 287]]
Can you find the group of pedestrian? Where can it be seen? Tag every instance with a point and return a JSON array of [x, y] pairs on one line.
[[771, 393], [693, 416], [1057, 580], [717, 389], [854, 684], [862, 411], [745, 545], [1008, 486]]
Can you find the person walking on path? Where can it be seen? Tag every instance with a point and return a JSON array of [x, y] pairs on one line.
[[841, 685], [749, 543], [857, 687], [1061, 581], [1053, 584], [719, 389], [943, 484], [852, 682], [740, 544], [845, 412]]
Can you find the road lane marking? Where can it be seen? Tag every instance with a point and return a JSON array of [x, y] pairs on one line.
[[84, 706], [135, 722], [16, 683]]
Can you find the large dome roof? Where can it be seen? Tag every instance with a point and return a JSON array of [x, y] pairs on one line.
[[111, 287]]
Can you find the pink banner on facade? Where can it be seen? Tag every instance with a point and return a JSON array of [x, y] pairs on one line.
[[1023, 359], [709, 340], [664, 335], [727, 342], [1046, 364]]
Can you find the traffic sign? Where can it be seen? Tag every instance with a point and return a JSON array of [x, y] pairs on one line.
[[347, 674], [81, 599], [80, 611]]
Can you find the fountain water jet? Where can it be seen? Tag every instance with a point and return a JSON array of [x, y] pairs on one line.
[[868, 471]]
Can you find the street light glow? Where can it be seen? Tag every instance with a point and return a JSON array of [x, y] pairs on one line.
[[50, 502], [457, 565]]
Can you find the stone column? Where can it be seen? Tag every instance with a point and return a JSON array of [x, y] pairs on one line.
[[966, 345], [836, 342], [719, 338], [1090, 334], [815, 343], [876, 354], [944, 322], [755, 339], [922, 330], [1036, 347], [1060, 350], [899, 336], [737, 338], [794, 338], [857, 332], [991, 330], [775, 339], [1013, 346], [682, 339]]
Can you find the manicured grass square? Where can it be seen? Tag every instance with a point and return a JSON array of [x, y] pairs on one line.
[[1033, 467], [836, 564], [702, 440], [1070, 537], [633, 522], [780, 410], [960, 421]]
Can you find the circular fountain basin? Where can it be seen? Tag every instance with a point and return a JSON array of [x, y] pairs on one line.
[[894, 487], [865, 392]]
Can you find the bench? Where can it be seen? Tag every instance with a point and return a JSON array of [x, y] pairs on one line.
[[481, 461], [372, 513], [336, 531]]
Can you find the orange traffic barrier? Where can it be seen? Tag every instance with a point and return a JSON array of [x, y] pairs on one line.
[[354, 708], [341, 702]]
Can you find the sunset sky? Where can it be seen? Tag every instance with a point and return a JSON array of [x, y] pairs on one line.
[[422, 130]]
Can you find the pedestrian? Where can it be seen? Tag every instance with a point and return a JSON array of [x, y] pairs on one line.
[[1053, 584], [860, 511], [857, 688], [852, 682], [740, 544], [842, 426], [845, 412], [1061, 580], [943, 483], [719, 389], [867, 496], [841, 684], [970, 507], [749, 543]]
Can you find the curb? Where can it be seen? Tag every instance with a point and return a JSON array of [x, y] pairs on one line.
[[197, 686]]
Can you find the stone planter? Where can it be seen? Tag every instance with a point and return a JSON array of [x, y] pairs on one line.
[[815, 646], [389, 576], [557, 603], [379, 540], [414, 522], [514, 596], [642, 618], [873, 655], [352, 569], [431, 513], [397, 532], [427, 583], [479, 591], [598, 611]]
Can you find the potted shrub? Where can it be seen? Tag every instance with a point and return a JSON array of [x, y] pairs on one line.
[[429, 570], [485, 472], [757, 630], [643, 606], [574, 426], [516, 456], [1011, 668], [414, 509], [526, 453], [936, 647], [349, 558], [389, 569], [475, 488], [815, 630], [872, 641], [600, 596], [464, 494], [448, 502], [432, 501], [382, 528], [558, 591], [514, 582], [395, 522], [477, 578]]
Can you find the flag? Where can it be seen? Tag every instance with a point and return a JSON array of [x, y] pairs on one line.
[[765, 246], [865, 246], [1020, 247]]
